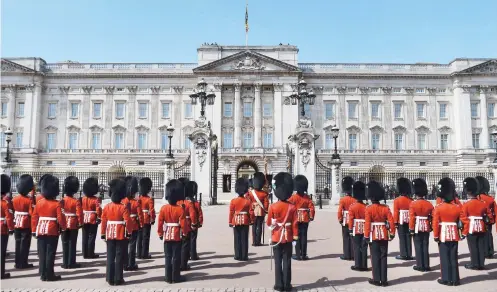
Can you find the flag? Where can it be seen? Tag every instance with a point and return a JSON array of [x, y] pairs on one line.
[[246, 19]]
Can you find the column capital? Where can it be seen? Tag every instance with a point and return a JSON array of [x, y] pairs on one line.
[[155, 89], [278, 86], [318, 89], [431, 90], [409, 90], [109, 89], [257, 86], [218, 86], [30, 87], [87, 89], [387, 90], [237, 86], [484, 89], [64, 89], [132, 88], [341, 89], [178, 89], [466, 88], [364, 90]]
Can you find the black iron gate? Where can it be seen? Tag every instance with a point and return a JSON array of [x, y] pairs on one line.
[[290, 160], [184, 169], [214, 168], [323, 180]]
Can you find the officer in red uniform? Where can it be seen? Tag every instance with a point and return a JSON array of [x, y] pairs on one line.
[[39, 195], [446, 217], [305, 214], [241, 215], [170, 228], [401, 218], [343, 217], [260, 203], [191, 192], [283, 222], [23, 209], [148, 210], [136, 214], [74, 220], [191, 219], [92, 212], [420, 216], [492, 205], [474, 215], [379, 228], [6, 223], [47, 222], [357, 219], [116, 228]]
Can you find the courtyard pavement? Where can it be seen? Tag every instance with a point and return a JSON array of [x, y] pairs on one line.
[[217, 271]]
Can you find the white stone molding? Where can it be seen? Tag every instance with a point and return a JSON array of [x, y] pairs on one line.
[[257, 86], [248, 63], [484, 88], [29, 87], [445, 130], [377, 130], [341, 89], [387, 89], [87, 89], [237, 86], [399, 130], [132, 88], [109, 89], [73, 129], [409, 90], [178, 89], [423, 130], [142, 129], [155, 89], [119, 129], [278, 86], [218, 86], [286, 101], [477, 130], [492, 129], [466, 88], [200, 143], [96, 129], [304, 123], [64, 89], [248, 98], [12, 88], [318, 89], [51, 129], [364, 90], [432, 90], [354, 130]]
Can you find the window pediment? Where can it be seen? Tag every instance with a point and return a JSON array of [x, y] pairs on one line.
[[377, 130], [492, 129], [354, 130], [73, 128], [142, 128], [476, 130], [399, 129], [423, 129], [445, 130], [51, 129], [119, 128], [187, 129], [96, 128]]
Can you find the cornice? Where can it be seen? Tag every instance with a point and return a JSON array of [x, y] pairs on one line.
[[371, 76]]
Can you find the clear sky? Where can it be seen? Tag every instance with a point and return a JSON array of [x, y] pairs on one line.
[[400, 31]]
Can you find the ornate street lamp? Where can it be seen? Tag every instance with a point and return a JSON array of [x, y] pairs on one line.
[[494, 138], [301, 97], [200, 94], [170, 132], [8, 139], [334, 132]]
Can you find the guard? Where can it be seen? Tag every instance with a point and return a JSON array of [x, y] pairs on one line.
[[148, 210], [305, 214], [379, 228], [23, 209], [241, 215], [357, 216], [420, 217], [74, 220], [191, 192], [491, 204], [401, 218], [191, 219], [92, 213], [6, 223], [343, 217], [260, 204], [136, 215]]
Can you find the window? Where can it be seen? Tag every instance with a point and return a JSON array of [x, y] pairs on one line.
[[445, 163], [352, 110], [19, 136], [73, 140], [375, 109], [420, 90], [307, 109], [141, 162], [120, 110], [329, 110], [187, 142], [476, 140], [422, 163], [228, 109], [247, 109], [142, 110], [95, 141], [165, 110], [374, 90], [492, 143], [228, 140], [74, 110], [267, 110], [375, 141], [52, 110], [400, 163], [119, 140], [351, 89], [329, 141], [399, 141], [20, 109], [120, 89], [142, 141], [352, 141], [353, 163], [97, 110], [443, 111], [50, 141], [421, 141], [71, 163], [474, 109], [188, 111], [164, 141], [420, 110], [491, 110], [247, 140], [397, 90], [2, 139], [444, 138], [268, 140], [4, 109], [49, 163], [397, 112], [94, 163]]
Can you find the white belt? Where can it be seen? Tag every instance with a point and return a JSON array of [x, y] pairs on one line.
[[239, 213], [47, 219], [472, 222], [172, 224], [443, 231], [357, 220], [282, 232], [402, 214], [303, 209], [70, 214], [345, 215], [187, 217], [2, 219], [133, 215], [116, 222], [45, 225], [16, 213], [145, 211], [371, 232], [418, 220], [89, 212]]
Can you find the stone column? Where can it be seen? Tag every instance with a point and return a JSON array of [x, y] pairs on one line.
[[257, 116], [63, 104], [37, 110], [432, 116], [86, 116], [462, 117], [305, 158], [237, 110], [336, 181], [131, 115], [217, 110], [177, 110], [484, 137], [341, 111], [108, 114], [201, 156], [28, 121], [386, 112], [363, 117], [168, 174], [278, 115], [410, 112], [11, 106]]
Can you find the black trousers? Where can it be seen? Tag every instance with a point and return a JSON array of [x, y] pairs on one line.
[[421, 243], [379, 253], [5, 241], [172, 252], [405, 241], [477, 249], [301, 247], [449, 264], [347, 243], [241, 241], [23, 244], [69, 241], [282, 265], [257, 230], [115, 260], [489, 242], [48, 248], [193, 244], [143, 242], [185, 251], [132, 249], [360, 251], [88, 240]]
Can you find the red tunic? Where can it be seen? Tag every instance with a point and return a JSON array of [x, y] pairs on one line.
[[473, 214], [283, 230], [91, 210], [171, 225], [190, 215], [491, 205], [47, 218], [420, 212], [357, 218], [148, 209], [116, 222], [455, 201], [23, 209], [376, 216], [135, 212], [305, 207], [6, 217], [73, 211], [343, 209], [200, 214], [39, 197], [241, 212], [445, 219], [401, 209], [263, 199]]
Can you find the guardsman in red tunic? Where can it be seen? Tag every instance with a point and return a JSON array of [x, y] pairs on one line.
[[191, 195], [283, 222], [6, 223], [241, 215], [136, 214], [474, 215], [305, 214], [47, 223], [343, 217], [379, 228], [190, 224], [492, 205], [357, 220], [170, 227], [23, 209], [148, 210], [74, 220], [420, 217], [260, 203], [446, 218], [115, 229], [39, 195], [401, 218], [92, 212], [455, 201]]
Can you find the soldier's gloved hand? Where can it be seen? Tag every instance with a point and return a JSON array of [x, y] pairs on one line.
[[397, 225], [99, 221], [351, 232], [463, 237], [411, 231], [200, 226], [161, 238], [152, 223], [33, 234], [11, 232], [366, 239], [437, 240], [102, 236], [392, 236], [231, 226], [311, 219]]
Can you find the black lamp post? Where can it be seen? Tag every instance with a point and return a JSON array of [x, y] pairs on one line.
[[494, 138], [8, 138], [301, 97], [334, 132], [170, 132], [200, 93]]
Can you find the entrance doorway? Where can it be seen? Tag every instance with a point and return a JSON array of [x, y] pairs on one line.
[[246, 169]]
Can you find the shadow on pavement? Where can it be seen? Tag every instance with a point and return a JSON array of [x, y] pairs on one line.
[[204, 276], [64, 273], [315, 240], [418, 278], [479, 278], [205, 253], [228, 265], [488, 267], [326, 256], [349, 281], [198, 263], [321, 283]]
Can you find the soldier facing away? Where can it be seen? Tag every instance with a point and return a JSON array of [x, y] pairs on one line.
[[74, 219], [23, 210], [148, 209], [92, 212], [260, 204], [190, 216], [343, 217], [241, 216], [6, 223], [401, 218], [191, 193], [136, 215], [492, 205], [357, 215]]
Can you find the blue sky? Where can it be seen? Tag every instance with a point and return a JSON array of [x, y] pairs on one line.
[[401, 31]]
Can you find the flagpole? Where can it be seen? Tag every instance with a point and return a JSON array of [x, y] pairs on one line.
[[246, 23]]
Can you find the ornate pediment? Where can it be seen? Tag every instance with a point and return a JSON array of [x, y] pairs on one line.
[[119, 128], [142, 128], [423, 129], [488, 67], [96, 128], [73, 128], [354, 130], [11, 67], [51, 129], [445, 130], [376, 130], [399, 129], [246, 61]]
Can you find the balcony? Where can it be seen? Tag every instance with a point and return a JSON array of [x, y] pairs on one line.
[[112, 151], [251, 151], [403, 152]]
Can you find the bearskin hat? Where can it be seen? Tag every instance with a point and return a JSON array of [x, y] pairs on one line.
[[470, 185], [300, 184], [483, 184], [258, 181], [50, 187], [90, 187], [175, 191], [283, 186], [183, 180], [241, 186], [347, 183], [375, 191], [250, 183], [131, 187], [6, 184], [71, 185], [145, 185], [117, 190], [447, 189], [404, 186], [419, 187], [191, 189], [38, 187], [25, 184], [359, 191]]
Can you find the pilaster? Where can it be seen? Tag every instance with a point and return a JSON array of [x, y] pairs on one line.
[[431, 141], [278, 115], [131, 115], [336, 179], [11, 106], [37, 110], [108, 113], [217, 110], [484, 136], [257, 116], [168, 173], [237, 108], [86, 116], [410, 119], [386, 112], [462, 117], [178, 111], [363, 116]]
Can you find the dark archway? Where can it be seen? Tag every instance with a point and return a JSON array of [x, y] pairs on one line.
[[246, 169]]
